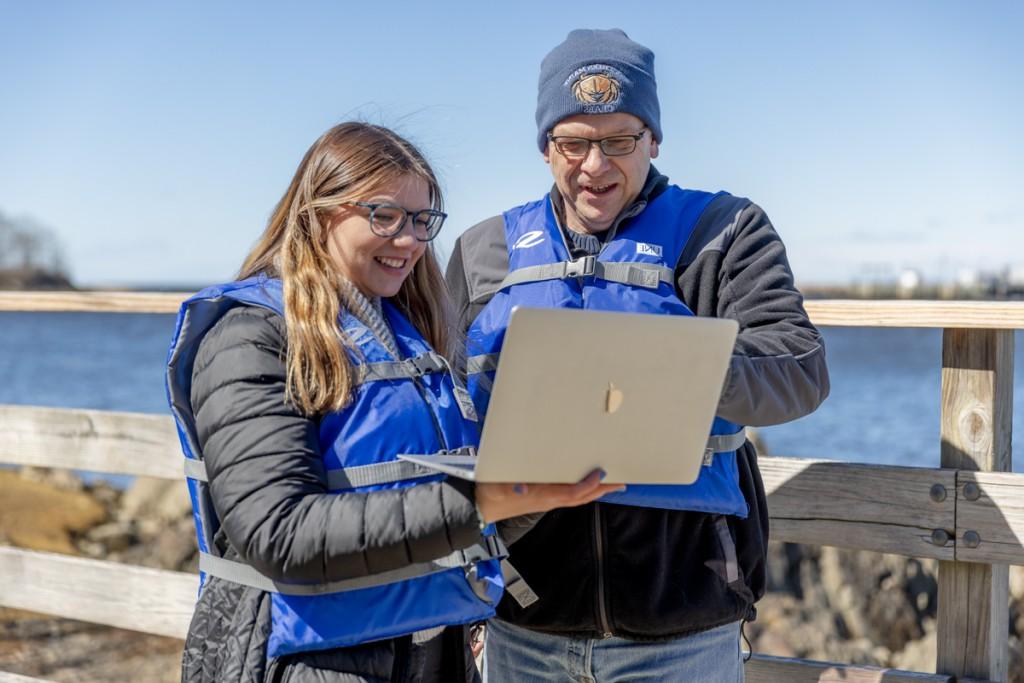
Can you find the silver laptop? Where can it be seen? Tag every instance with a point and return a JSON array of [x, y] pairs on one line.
[[632, 394]]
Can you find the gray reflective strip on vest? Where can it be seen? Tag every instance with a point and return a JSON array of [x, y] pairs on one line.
[[645, 275], [726, 443], [238, 572], [195, 469], [345, 477], [516, 586], [409, 368], [485, 362], [377, 473]]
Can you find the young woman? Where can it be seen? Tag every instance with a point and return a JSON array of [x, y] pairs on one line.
[[294, 388]]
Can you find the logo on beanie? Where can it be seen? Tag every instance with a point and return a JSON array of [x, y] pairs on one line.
[[598, 87]]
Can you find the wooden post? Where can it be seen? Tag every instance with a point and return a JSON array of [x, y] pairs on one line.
[[977, 407]]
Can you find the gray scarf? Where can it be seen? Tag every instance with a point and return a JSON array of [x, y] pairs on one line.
[[369, 311]]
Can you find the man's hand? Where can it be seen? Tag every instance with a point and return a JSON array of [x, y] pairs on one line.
[[502, 501]]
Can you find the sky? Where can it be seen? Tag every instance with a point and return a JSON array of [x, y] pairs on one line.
[[155, 138]]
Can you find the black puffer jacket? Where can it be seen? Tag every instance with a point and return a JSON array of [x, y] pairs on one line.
[[269, 489], [651, 574]]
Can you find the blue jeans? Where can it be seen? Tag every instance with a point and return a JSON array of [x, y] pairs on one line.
[[517, 655]]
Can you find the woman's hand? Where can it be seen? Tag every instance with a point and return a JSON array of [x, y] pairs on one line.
[[502, 501]]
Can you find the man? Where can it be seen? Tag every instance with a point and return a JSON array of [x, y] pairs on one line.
[[652, 584]]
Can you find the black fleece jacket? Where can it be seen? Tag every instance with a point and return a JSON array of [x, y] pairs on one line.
[[651, 574]]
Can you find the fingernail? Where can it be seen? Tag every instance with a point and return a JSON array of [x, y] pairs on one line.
[[519, 488], [603, 475]]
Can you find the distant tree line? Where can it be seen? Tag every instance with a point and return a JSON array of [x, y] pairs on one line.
[[30, 256]]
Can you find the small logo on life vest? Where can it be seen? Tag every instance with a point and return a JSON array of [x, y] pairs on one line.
[[529, 239], [598, 88], [648, 249], [613, 399]]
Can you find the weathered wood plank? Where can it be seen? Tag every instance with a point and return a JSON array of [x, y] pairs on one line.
[[841, 312], [869, 507], [93, 302], [6, 677], [95, 440], [977, 409], [137, 598], [990, 505], [1004, 315], [768, 669]]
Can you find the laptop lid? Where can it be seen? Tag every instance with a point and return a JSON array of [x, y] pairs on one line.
[[633, 394]]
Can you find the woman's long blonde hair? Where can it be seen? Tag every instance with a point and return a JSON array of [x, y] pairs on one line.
[[348, 163]]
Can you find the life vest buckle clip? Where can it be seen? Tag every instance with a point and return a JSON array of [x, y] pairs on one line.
[[423, 364], [581, 267]]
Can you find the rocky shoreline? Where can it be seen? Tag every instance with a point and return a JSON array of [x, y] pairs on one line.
[[823, 603]]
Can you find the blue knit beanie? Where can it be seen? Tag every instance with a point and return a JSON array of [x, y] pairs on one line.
[[597, 72]]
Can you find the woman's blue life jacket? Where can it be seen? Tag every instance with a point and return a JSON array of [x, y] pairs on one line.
[[404, 405], [633, 272]]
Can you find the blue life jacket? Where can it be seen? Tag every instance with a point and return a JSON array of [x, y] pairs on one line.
[[398, 406], [633, 272]]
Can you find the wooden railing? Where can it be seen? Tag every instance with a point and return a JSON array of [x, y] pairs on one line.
[[968, 513]]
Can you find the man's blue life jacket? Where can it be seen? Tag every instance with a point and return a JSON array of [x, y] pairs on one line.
[[633, 272], [399, 405]]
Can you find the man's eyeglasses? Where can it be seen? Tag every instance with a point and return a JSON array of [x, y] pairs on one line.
[[615, 146], [387, 220]]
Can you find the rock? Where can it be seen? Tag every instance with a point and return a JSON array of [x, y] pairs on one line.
[[65, 480], [65, 650], [783, 564], [160, 499], [1016, 659], [113, 536], [173, 548], [918, 655], [1017, 582], [106, 494], [39, 516], [847, 606]]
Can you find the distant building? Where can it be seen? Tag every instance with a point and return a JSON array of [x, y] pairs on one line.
[[909, 281]]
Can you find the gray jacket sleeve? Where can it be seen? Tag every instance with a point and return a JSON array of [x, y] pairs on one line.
[[267, 479], [735, 266], [483, 248]]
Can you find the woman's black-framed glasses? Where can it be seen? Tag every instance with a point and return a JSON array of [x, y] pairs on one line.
[[614, 146], [387, 220]]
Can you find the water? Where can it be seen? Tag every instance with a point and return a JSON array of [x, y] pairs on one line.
[[885, 403], [884, 406]]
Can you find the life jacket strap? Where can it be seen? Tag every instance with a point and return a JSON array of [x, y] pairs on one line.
[[352, 477], [374, 474], [410, 368], [727, 443], [489, 548], [516, 586], [485, 362], [195, 469], [646, 275]]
